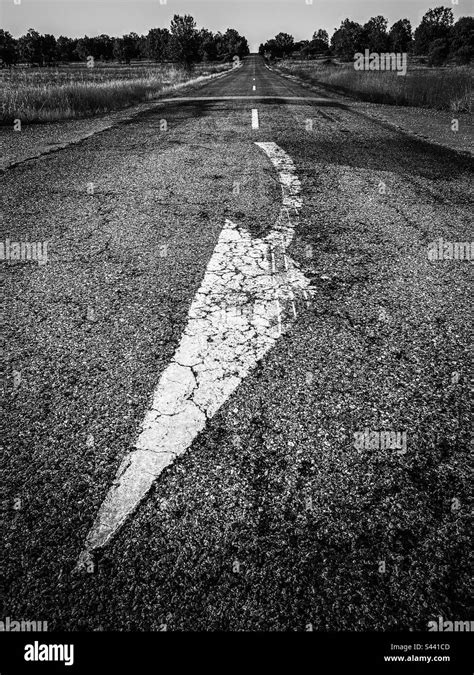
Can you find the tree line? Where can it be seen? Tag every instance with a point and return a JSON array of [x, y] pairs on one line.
[[437, 37], [182, 43]]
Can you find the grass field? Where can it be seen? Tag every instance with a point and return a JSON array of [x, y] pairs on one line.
[[440, 88], [74, 90]]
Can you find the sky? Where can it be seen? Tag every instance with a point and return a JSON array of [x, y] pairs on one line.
[[257, 20]]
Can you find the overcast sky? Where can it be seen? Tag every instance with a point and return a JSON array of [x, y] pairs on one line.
[[258, 20]]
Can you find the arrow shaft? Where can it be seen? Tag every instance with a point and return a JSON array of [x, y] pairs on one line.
[[235, 318]]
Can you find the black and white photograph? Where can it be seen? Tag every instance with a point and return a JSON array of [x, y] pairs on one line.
[[236, 259]]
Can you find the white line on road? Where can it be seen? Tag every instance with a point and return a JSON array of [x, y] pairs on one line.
[[233, 321], [254, 88], [255, 122]]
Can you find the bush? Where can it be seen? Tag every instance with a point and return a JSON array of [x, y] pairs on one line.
[[463, 56], [438, 53]]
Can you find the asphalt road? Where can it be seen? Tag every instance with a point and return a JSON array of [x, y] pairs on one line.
[[272, 519]]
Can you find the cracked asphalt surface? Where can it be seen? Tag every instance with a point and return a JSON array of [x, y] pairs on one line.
[[272, 520]]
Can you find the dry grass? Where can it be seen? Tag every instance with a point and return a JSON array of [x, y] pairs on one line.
[[442, 88], [68, 92]]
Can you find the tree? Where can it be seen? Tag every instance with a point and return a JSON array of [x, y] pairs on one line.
[[315, 47], [348, 39], [244, 49], [132, 42], [435, 25], [375, 34], [221, 49], [85, 47], [301, 46], [48, 48], [157, 42], [183, 43], [272, 49], [207, 45], [117, 50], [103, 47], [142, 47], [400, 36], [8, 51], [65, 48], [29, 47], [462, 40], [282, 45], [184, 40], [321, 35], [234, 44], [285, 44], [124, 48]]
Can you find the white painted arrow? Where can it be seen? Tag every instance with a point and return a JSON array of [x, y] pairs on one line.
[[245, 301]]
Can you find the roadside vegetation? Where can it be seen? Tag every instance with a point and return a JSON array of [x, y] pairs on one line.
[[439, 54], [45, 79], [440, 88], [71, 92]]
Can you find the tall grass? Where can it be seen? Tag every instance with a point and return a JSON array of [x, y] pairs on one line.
[[442, 89], [43, 95]]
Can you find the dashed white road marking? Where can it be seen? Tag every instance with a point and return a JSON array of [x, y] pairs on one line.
[[255, 120], [237, 315], [254, 88]]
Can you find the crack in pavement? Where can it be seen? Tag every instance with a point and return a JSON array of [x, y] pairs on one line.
[[244, 304]]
